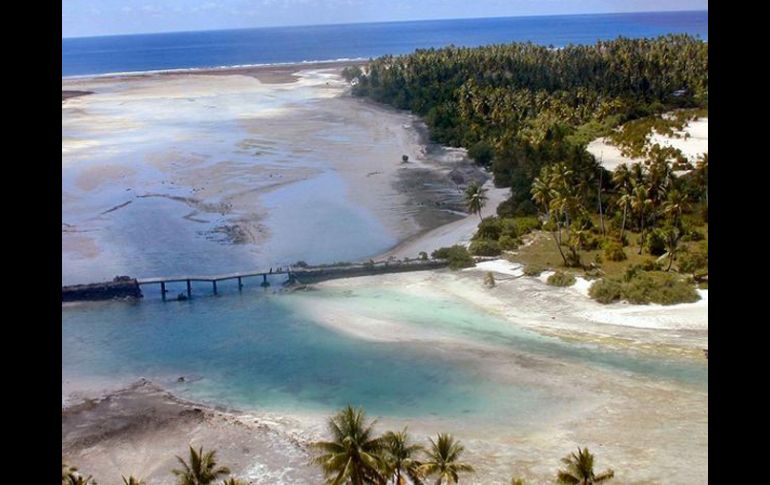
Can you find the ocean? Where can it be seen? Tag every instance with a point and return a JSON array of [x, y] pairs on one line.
[[210, 49]]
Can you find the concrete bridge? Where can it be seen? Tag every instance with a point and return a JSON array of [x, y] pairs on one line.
[[129, 287]]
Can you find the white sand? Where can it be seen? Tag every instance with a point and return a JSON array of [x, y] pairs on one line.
[[692, 147]]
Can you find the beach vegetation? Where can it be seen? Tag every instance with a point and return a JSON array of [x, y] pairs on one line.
[[490, 228], [485, 247], [489, 279], [443, 460], [508, 243], [533, 269], [354, 453], [560, 278], [613, 251], [132, 481], [400, 457], [579, 469], [475, 198], [202, 468], [457, 255], [643, 287], [482, 153]]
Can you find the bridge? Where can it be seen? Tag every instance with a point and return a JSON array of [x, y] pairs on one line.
[[299, 274]]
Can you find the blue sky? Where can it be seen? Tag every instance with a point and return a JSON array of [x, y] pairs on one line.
[[109, 17]]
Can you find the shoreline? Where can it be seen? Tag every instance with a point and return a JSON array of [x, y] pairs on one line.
[[246, 69]]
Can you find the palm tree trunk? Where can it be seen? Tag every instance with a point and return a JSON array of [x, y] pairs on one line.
[[601, 214], [558, 242], [480, 218], [641, 238], [623, 224], [670, 260]]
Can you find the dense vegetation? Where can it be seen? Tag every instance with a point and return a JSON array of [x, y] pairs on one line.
[[355, 455], [527, 112], [518, 107]]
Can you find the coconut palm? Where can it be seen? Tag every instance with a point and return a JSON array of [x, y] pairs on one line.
[[676, 203], [399, 456], [580, 469], [640, 203], [66, 471], [201, 470], [702, 175], [233, 481], [517, 481], [543, 191], [443, 460], [132, 481], [475, 198], [671, 237], [353, 455]]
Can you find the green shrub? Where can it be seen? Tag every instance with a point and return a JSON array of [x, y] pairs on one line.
[[525, 225], [457, 255], [659, 287], [606, 290], [692, 262], [656, 242], [481, 153], [490, 228], [423, 256], [485, 247], [509, 228], [561, 278], [533, 270], [645, 287], [613, 251], [508, 243], [592, 242], [693, 235]]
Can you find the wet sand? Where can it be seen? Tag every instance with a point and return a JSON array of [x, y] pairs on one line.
[[203, 151], [650, 430]]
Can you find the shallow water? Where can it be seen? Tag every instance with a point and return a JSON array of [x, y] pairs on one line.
[[259, 350]]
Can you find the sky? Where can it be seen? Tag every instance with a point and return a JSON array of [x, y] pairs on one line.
[[82, 18]]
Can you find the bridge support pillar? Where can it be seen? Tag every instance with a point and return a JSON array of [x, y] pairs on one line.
[[215, 286], [189, 289], [163, 290], [240, 284]]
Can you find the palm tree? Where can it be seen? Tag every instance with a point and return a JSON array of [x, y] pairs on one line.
[[517, 481], [675, 204], [132, 481], [671, 237], [622, 178], [580, 469], [475, 198], [443, 460], [543, 191], [202, 469], [354, 453], [233, 481], [702, 175], [66, 471], [639, 203], [399, 455]]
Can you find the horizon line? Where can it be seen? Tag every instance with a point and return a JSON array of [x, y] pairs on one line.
[[376, 22]]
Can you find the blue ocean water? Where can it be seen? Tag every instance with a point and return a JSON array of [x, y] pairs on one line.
[[184, 50], [258, 350]]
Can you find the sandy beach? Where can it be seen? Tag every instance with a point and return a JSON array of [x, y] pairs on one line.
[[241, 155], [230, 162], [631, 421], [692, 147]]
